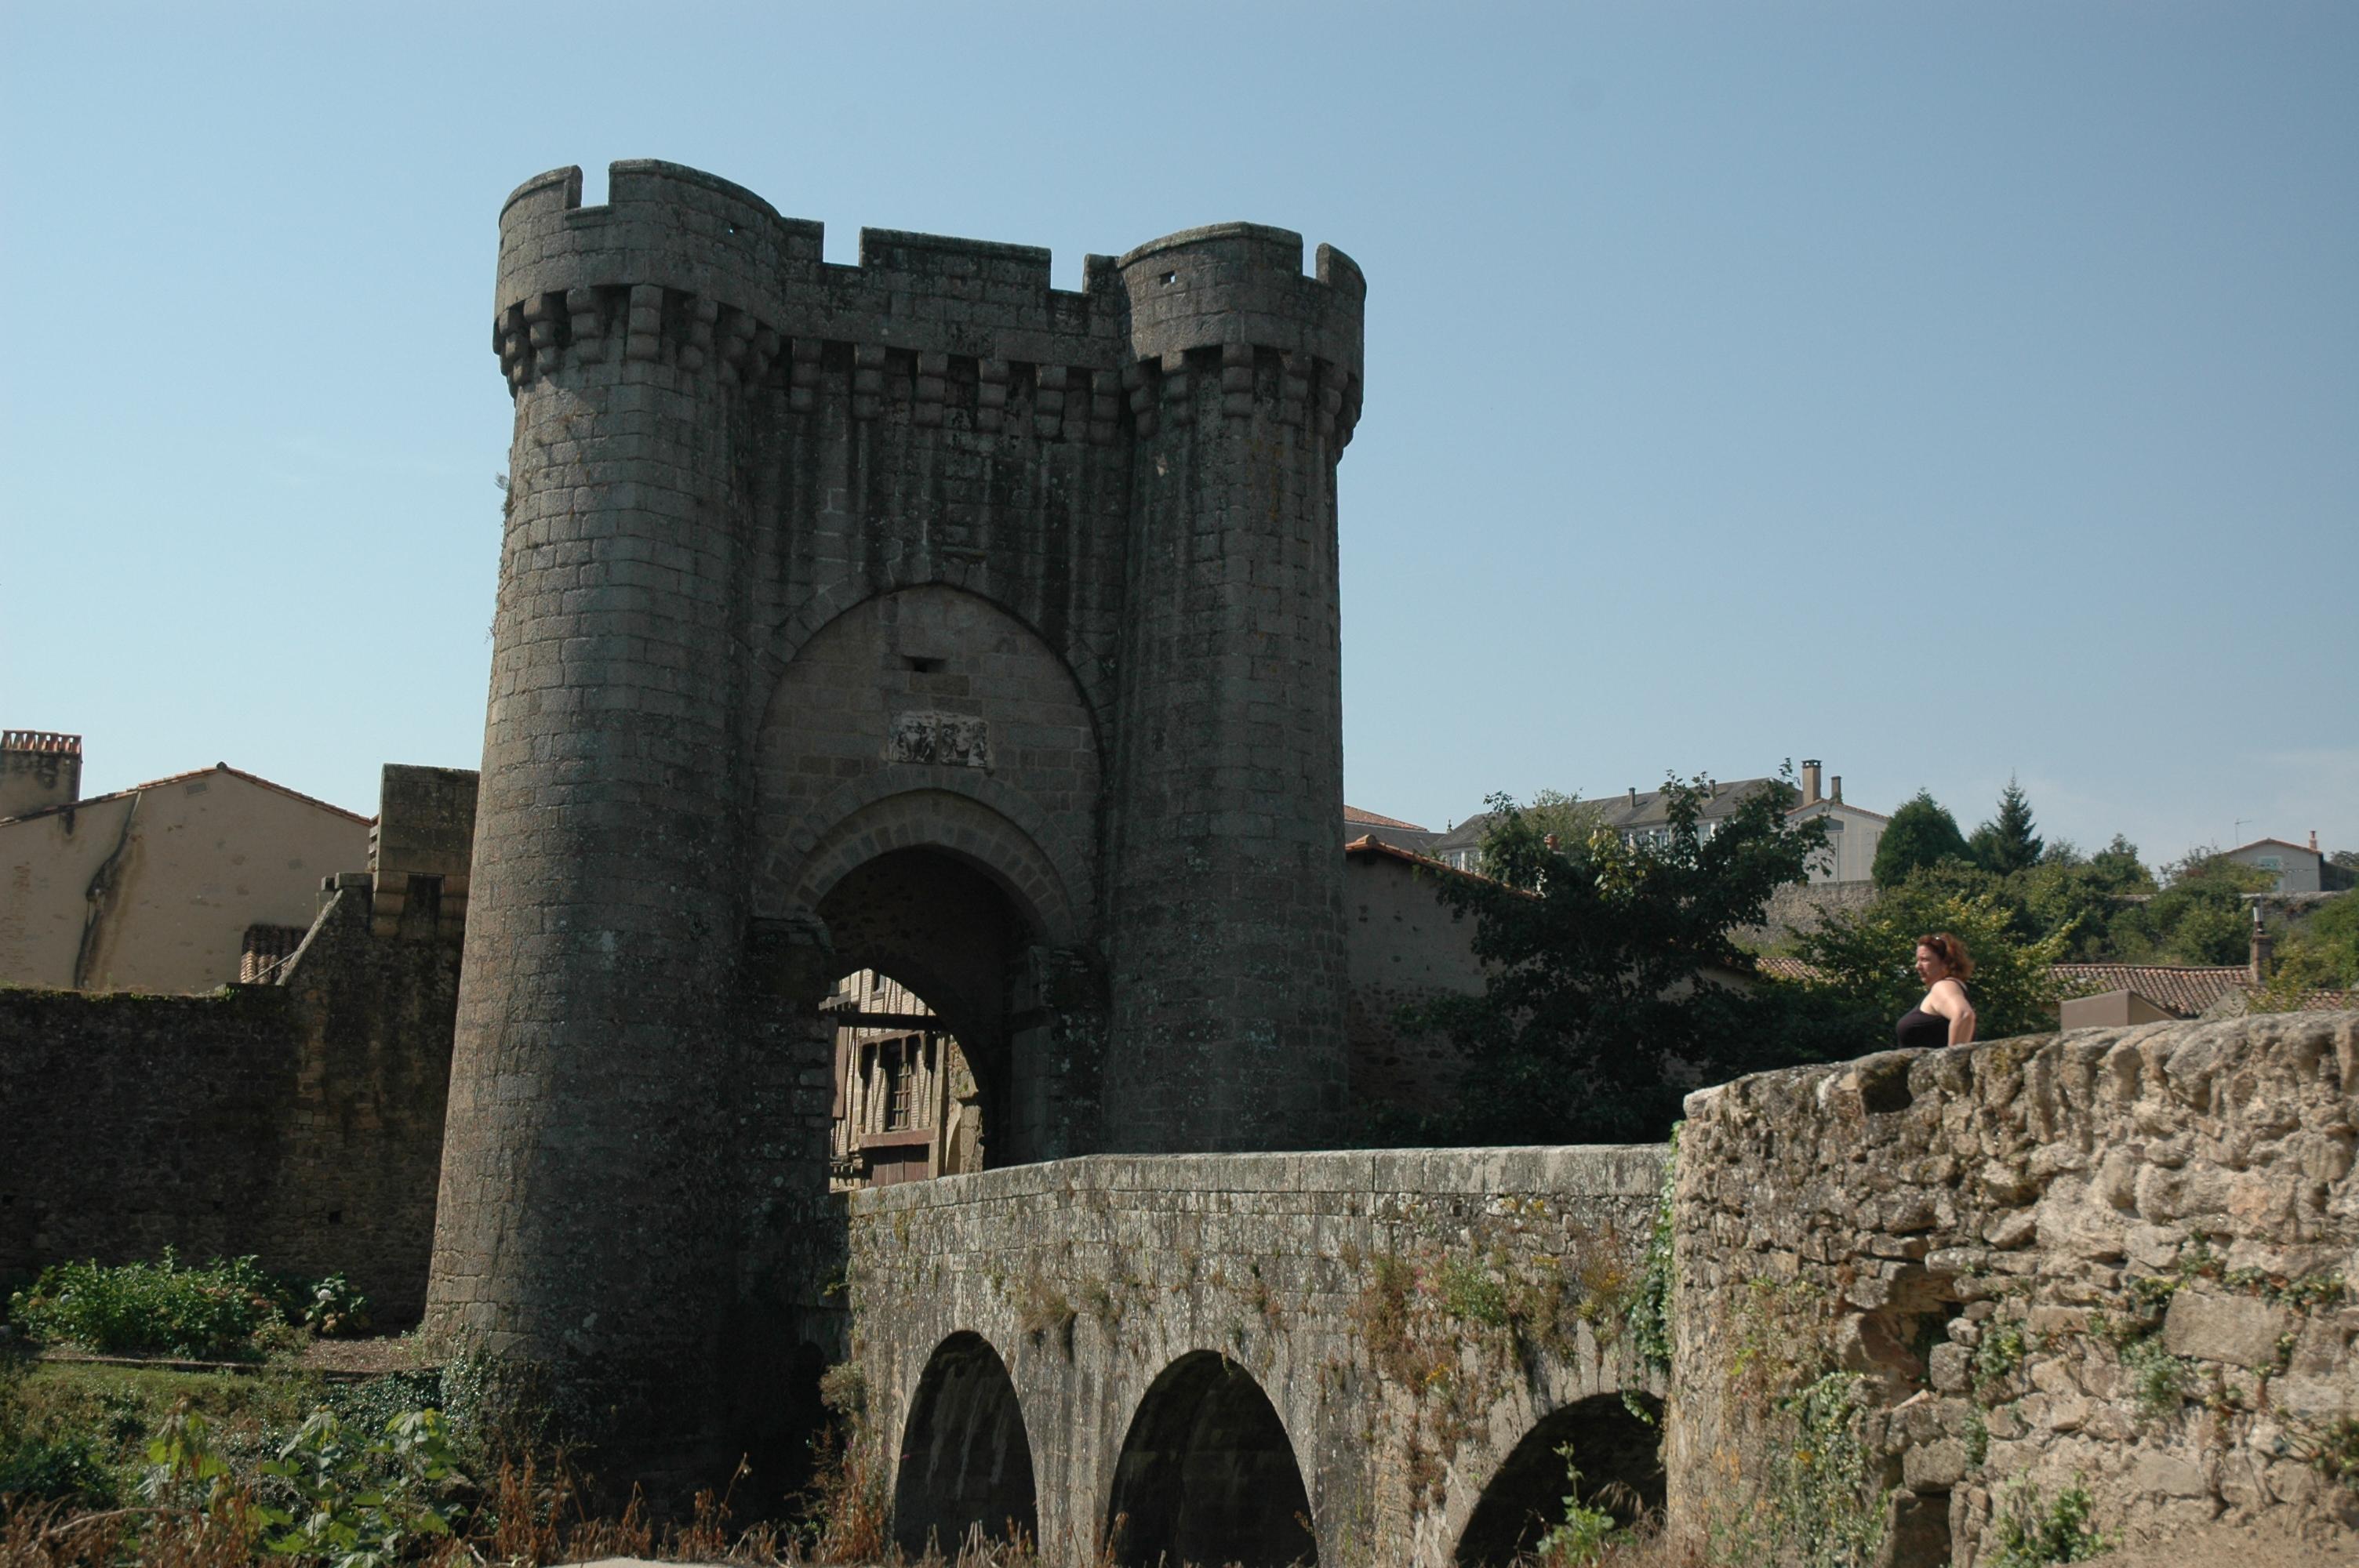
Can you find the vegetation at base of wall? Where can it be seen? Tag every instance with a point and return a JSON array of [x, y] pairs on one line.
[[1816, 1497], [1586, 1534], [2033, 1534], [1819, 1502], [225, 1310], [207, 1470]]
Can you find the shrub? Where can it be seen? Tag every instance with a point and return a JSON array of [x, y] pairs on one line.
[[55, 1468], [336, 1309], [361, 1503], [164, 1307]]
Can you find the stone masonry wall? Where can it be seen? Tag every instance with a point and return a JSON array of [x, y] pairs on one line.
[[2006, 1280], [1404, 947], [300, 1122], [1410, 1315]]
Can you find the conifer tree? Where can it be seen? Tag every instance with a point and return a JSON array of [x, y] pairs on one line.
[[2008, 845]]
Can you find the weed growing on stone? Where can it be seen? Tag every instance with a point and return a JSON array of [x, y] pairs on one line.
[[1043, 1308], [1999, 1352], [1820, 1504], [1776, 1335], [2032, 1534], [1381, 1314], [2157, 1380], [1470, 1292], [2334, 1452], [1651, 1309]]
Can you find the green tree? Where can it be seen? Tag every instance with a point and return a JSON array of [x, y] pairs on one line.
[[1867, 976], [1921, 833], [1597, 1016], [2007, 844], [2200, 917], [2078, 897], [1571, 818], [2322, 951]]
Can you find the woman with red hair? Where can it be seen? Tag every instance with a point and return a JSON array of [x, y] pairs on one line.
[[1945, 1017]]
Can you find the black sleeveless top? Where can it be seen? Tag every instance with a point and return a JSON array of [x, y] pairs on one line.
[[1920, 1031]]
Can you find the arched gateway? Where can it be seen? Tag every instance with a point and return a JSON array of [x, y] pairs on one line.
[[913, 618]]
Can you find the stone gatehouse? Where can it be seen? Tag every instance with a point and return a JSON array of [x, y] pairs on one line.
[[914, 617]]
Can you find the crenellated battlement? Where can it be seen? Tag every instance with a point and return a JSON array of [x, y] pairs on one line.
[[682, 269]]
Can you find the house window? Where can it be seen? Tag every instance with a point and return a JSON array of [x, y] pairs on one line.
[[901, 1073]]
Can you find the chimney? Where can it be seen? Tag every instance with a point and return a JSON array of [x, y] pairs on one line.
[[2313, 840], [2264, 949], [39, 769], [1834, 789], [1633, 797], [1810, 780]]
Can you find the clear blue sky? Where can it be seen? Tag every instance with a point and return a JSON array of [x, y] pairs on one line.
[[1942, 392]]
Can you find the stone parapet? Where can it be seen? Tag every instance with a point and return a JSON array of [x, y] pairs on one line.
[[1956, 1288]]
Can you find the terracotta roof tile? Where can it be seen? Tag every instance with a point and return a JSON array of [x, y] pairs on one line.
[[1353, 814], [2186, 990]]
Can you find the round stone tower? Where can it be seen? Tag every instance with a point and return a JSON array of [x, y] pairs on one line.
[[583, 1211], [1226, 935]]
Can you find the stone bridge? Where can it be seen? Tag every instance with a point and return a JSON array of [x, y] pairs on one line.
[[1359, 1356]]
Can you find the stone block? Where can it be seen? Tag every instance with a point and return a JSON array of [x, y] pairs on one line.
[[2212, 1326]]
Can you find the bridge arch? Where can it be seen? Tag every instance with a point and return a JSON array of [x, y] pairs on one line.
[[967, 1456], [1617, 1451], [1208, 1474]]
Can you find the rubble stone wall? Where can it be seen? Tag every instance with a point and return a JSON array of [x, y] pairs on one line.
[[2102, 1270]]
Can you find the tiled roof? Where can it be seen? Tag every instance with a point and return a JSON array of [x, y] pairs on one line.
[[2267, 843], [2185, 989], [1652, 808], [1786, 968], [183, 778], [1353, 814], [1465, 835], [1368, 846]]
